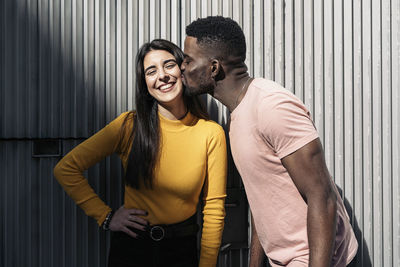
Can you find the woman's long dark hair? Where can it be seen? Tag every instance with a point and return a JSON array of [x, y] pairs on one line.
[[146, 127]]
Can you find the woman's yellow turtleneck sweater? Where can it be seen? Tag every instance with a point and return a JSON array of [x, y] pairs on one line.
[[193, 155]]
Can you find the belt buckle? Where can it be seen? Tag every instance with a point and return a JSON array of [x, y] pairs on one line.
[[157, 233]]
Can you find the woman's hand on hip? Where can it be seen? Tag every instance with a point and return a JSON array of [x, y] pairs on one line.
[[123, 219]]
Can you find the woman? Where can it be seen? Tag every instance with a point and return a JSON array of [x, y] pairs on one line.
[[171, 154]]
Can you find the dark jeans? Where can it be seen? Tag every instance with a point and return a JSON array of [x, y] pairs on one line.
[[145, 252]]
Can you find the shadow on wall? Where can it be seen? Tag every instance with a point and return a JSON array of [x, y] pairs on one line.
[[363, 259], [54, 90], [48, 91]]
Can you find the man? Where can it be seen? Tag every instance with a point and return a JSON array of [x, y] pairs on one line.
[[298, 214]]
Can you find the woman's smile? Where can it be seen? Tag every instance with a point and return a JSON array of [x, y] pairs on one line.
[[167, 87]]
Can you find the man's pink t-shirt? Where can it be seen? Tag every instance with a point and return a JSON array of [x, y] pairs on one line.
[[269, 124]]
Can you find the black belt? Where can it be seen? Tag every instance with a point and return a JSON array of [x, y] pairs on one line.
[[164, 231]]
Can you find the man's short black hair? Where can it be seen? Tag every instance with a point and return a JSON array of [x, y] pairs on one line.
[[220, 34]]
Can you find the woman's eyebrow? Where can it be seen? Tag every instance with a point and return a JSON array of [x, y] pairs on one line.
[[165, 62], [169, 60], [149, 67]]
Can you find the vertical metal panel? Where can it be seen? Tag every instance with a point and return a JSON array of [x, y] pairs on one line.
[[175, 22], [67, 68], [338, 171], [358, 213], [41, 226], [308, 39], [395, 84], [47, 51], [268, 42], [347, 130], [319, 90], [298, 49], [279, 41], [289, 22], [258, 34], [386, 120], [328, 85], [376, 122], [367, 129]]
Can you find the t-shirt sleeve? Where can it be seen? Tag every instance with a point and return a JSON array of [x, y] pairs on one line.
[[69, 170], [214, 199], [286, 125]]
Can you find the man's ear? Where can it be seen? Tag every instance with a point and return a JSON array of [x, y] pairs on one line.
[[215, 67]]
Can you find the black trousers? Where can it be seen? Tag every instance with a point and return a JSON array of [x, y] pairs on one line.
[[126, 251]]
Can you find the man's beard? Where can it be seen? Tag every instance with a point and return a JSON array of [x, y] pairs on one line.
[[205, 87], [195, 91]]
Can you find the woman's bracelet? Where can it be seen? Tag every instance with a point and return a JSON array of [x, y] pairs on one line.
[[106, 223]]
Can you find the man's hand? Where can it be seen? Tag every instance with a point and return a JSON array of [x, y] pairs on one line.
[[309, 173]]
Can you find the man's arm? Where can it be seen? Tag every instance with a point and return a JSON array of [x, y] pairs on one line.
[[309, 173], [257, 255]]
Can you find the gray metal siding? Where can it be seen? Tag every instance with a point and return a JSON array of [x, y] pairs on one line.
[[48, 71], [41, 226], [67, 68]]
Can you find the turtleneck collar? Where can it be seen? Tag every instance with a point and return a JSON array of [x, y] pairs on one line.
[[177, 125]]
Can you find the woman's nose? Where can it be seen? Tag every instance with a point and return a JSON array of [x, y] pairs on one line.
[[163, 76]]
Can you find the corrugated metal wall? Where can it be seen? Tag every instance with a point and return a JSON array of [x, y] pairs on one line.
[[67, 69]]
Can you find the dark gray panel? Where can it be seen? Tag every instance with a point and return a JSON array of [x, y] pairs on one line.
[[236, 219], [47, 88], [233, 258], [41, 225]]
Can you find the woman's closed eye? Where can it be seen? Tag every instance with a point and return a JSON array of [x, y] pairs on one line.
[[170, 65], [150, 72]]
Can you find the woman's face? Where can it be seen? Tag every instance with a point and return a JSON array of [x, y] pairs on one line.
[[163, 76]]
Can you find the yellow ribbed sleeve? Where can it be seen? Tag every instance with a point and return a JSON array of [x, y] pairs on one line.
[[214, 200], [192, 160], [69, 170]]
